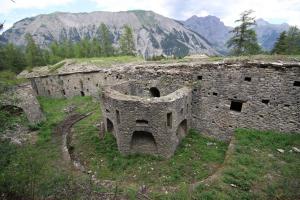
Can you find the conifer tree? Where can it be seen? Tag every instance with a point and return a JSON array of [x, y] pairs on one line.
[[105, 41], [244, 41], [281, 44], [126, 42], [33, 53]]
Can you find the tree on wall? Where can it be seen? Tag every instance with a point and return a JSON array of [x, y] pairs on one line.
[[126, 42], [105, 41], [244, 40]]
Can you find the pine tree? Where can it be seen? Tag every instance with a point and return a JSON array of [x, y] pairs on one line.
[[105, 41], [244, 40], [95, 48], [280, 46], [293, 41], [126, 42], [33, 53]]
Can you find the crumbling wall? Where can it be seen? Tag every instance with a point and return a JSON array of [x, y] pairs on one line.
[[23, 96], [268, 93]]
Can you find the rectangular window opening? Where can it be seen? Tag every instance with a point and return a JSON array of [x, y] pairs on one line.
[[141, 122], [248, 79], [118, 116], [265, 101], [236, 106], [215, 94], [63, 92], [297, 83], [199, 77], [169, 120]]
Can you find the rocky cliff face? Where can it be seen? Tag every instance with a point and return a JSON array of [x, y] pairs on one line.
[[212, 28], [154, 34], [218, 34], [267, 33]]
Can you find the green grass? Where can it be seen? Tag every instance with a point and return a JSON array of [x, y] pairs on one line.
[[108, 61], [56, 66], [193, 160], [41, 164], [264, 58], [255, 169], [9, 79]]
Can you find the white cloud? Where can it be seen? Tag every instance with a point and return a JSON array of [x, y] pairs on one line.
[[160, 6], [227, 10], [7, 6]]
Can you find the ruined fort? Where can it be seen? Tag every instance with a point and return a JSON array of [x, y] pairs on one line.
[[150, 107]]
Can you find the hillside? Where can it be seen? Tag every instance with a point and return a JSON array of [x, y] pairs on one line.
[[153, 33]]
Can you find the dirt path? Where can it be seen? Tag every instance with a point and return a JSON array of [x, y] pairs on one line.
[[64, 130], [210, 179]]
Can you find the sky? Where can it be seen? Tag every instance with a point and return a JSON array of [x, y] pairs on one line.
[[274, 11]]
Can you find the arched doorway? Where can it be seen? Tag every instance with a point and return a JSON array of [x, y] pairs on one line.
[[154, 92], [143, 142], [109, 126], [181, 131]]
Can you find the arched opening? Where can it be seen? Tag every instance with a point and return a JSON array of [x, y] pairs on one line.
[[154, 92], [182, 130], [143, 142], [82, 93], [10, 116], [12, 110], [109, 126]]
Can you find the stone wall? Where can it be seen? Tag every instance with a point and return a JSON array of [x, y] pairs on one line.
[[24, 97], [225, 96], [145, 124]]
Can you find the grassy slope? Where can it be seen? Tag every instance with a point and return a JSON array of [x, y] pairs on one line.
[[41, 164]]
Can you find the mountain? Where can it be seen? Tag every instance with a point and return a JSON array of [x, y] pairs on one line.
[[212, 28], [154, 34], [215, 31], [267, 33]]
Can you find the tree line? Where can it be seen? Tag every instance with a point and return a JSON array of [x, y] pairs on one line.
[[17, 58], [244, 39]]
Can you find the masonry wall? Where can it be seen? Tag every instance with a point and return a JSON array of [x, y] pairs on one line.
[[166, 119], [269, 93]]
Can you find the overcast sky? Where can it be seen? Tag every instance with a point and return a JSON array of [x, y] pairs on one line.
[[274, 11]]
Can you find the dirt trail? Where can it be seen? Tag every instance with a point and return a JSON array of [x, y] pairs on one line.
[[64, 130], [210, 179]]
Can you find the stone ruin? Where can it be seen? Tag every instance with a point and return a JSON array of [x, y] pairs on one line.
[[149, 107], [147, 117]]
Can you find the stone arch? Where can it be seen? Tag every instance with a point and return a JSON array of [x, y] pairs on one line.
[[154, 92], [109, 126], [143, 142], [181, 131]]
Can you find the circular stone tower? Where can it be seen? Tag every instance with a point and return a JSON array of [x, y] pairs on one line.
[[147, 117]]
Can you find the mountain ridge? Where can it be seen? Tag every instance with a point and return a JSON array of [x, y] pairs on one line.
[[154, 34]]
